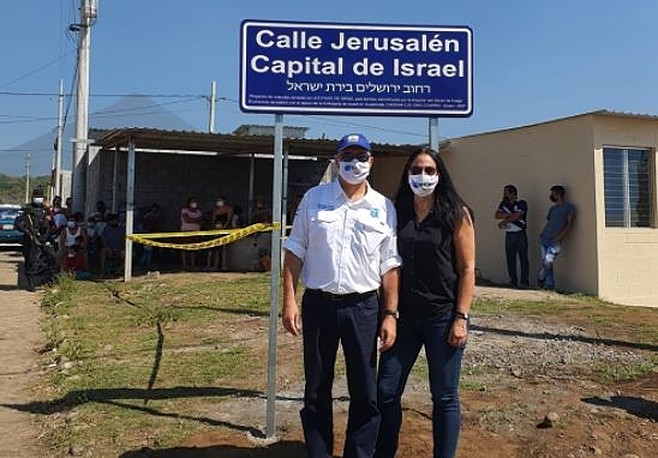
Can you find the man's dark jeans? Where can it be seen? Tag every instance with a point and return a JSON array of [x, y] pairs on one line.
[[516, 245], [353, 322]]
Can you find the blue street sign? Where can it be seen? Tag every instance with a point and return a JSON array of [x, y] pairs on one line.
[[358, 69]]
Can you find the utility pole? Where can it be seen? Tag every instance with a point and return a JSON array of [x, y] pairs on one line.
[[58, 147], [88, 14], [27, 177], [213, 106]]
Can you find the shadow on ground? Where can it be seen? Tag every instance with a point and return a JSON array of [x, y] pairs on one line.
[[78, 397], [278, 450], [639, 407], [550, 336]]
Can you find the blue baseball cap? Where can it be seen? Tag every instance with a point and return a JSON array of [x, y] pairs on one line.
[[357, 140]]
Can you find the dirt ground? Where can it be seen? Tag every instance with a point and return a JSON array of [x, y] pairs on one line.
[[519, 370], [20, 336]]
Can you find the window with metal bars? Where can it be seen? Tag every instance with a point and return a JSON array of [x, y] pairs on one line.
[[627, 176]]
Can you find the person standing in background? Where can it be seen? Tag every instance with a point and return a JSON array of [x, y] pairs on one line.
[[511, 215], [559, 222], [151, 226], [191, 219], [221, 217]]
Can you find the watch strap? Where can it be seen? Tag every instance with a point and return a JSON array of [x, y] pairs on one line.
[[394, 313]]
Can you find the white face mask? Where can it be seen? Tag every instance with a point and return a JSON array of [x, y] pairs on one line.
[[71, 224], [37, 200], [220, 203], [354, 172], [423, 185]]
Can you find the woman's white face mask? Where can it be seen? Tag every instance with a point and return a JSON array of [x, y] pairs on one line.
[[354, 171], [423, 185]]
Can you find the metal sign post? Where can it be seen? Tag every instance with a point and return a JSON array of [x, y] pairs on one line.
[[275, 273], [433, 133]]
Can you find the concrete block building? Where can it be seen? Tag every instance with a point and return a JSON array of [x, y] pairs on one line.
[[607, 162]]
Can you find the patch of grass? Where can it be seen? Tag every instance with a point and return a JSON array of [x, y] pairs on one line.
[[475, 378], [647, 332], [420, 371], [497, 418], [626, 372], [61, 292], [469, 376], [496, 306], [471, 385], [111, 338], [594, 315]]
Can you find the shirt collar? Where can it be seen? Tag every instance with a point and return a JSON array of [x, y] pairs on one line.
[[339, 194]]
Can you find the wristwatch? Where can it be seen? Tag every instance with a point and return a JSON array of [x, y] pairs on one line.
[[394, 313], [462, 315]]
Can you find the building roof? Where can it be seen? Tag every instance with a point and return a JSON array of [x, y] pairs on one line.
[[617, 114], [224, 144], [259, 129]]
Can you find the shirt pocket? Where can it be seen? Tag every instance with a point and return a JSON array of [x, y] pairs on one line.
[[323, 226], [370, 233]]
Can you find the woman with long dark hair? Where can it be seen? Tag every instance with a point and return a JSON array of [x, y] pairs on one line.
[[436, 240]]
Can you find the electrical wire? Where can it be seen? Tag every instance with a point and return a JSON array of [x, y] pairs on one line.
[[32, 72], [106, 114], [131, 95]]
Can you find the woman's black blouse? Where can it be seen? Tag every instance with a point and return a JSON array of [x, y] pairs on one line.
[[429, 274]]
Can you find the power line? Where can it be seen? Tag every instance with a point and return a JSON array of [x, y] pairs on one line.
[[101, 114], [26, 120], [189, 97], [71, 94], [27, 75]]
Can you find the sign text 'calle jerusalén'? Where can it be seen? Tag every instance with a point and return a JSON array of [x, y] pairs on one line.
[[289, 67]]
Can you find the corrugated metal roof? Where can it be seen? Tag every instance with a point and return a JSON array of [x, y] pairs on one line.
[[225, 144]]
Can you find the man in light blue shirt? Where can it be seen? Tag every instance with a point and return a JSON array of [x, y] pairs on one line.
[[559, 222]]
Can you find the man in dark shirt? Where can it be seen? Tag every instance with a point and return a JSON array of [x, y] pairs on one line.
[[512, 214]]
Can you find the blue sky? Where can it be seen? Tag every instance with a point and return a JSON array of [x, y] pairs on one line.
[[533, 61]]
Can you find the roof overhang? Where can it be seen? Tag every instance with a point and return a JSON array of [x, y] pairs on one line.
[[225, 144]]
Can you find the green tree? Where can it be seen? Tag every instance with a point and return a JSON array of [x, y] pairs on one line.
[[12, 188]]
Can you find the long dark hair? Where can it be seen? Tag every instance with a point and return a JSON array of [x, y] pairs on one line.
[[448, 206]]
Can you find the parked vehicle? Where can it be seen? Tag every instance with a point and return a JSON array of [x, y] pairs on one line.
[[8, 231]]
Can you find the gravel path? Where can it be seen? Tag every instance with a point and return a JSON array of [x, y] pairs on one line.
[[526, 347]]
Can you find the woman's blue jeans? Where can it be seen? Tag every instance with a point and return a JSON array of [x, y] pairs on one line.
[[444, 363]]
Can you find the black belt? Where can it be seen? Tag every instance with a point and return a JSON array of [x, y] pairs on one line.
[[340, 297]]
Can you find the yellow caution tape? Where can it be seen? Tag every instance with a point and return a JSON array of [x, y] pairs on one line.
[[229, 236], [166, 235]]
